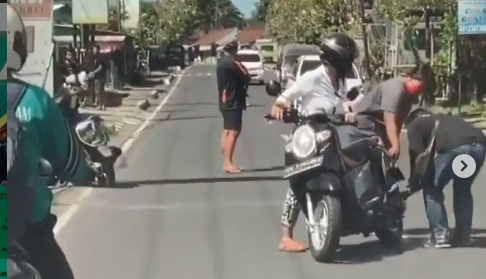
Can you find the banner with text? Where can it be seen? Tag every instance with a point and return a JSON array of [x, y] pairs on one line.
[[471, 17]]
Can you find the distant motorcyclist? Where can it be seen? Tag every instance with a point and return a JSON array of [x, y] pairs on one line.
[[322, 89], [44, 134], [435, 140]]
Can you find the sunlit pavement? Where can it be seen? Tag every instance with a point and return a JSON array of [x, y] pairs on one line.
[[176, 215]]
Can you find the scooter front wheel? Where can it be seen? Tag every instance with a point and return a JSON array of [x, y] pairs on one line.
[[325, 235]]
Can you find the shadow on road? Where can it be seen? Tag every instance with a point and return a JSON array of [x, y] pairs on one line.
[[275, 168], [135, 184], [192, 104], [374, 251], [191, 118]]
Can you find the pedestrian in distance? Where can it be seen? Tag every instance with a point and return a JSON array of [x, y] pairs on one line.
[[233, 81], [435, 141], [98, 75]]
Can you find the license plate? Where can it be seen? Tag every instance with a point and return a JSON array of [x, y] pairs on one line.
[[303, 166]]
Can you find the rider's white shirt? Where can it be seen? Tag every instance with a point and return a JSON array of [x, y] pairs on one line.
[[316, 92]]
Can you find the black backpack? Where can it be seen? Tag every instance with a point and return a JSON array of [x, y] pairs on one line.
[[21, 196]]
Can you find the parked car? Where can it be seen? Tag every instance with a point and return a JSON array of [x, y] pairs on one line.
[[253, 61], [307, 63]]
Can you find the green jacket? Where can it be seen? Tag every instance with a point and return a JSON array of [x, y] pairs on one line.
[[46, 134]]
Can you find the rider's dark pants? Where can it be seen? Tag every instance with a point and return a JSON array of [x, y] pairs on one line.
[[45, 254], [439, 175]]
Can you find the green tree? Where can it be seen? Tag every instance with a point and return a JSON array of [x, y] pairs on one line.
[[217, 14], [259, 14], [167, 21], [309, 20]]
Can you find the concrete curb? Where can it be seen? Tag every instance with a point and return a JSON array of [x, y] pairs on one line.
[[137, 119]]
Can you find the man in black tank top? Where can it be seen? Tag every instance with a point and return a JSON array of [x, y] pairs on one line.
[[233, 80]]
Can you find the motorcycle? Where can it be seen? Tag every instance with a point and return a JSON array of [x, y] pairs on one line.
[[17, 265], [343, 190], [94, 139], [70, 97]]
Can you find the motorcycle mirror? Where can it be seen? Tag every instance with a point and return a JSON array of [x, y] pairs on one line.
[[45, 168], [274, 88], [91, 134]]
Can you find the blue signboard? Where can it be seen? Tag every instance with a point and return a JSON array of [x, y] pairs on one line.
[[471, 17]]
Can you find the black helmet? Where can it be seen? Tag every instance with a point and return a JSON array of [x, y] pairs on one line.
[[273, 88], [340, 51]]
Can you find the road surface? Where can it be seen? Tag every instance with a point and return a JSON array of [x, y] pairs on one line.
[[176, 215]]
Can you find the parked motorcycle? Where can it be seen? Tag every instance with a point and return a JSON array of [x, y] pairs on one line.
[[69, 99], [18, 266], [342, 190], [94, 137]]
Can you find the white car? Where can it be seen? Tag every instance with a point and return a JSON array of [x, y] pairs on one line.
[[253, 61], [307, 63]]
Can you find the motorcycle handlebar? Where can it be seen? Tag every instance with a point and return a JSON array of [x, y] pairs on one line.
[[292, 117]]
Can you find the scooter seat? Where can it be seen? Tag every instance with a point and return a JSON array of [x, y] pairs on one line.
[[356, 153]]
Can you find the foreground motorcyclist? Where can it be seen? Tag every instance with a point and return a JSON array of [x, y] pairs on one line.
[[322, 89], [436, 140], [45, 134]]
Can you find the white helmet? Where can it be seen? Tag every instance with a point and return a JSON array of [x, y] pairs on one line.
[[16, 40]]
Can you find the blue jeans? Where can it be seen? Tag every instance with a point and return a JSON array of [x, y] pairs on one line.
[[439, 176]]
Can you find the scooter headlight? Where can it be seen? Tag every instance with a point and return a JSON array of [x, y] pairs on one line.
[[304, 142]]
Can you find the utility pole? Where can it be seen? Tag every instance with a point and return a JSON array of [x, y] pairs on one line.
[[119, 14], [370, 73]]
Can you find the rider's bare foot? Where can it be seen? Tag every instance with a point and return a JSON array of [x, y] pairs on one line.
[[291, 246], [232, 169]]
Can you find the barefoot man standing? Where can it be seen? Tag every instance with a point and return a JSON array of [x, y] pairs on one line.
[[233, 80]]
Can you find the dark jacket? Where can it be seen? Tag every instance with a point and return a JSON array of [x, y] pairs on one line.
[[233, 80]]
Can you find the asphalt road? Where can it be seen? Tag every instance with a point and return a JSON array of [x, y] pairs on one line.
[[176, 215]]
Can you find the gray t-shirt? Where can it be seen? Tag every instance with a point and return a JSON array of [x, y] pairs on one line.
[[389, 95]]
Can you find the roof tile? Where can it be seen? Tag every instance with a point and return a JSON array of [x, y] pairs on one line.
[[250, 34], [213, 36]]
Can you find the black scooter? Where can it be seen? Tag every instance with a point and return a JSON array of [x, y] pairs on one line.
[[342, 190]]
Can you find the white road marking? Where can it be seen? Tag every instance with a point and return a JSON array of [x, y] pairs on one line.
[[200, 75], [66, 217], [181, 206]]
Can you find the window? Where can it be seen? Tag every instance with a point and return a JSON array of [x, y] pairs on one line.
[[267, 48], [295, 69], [309, 66], [249, 57]]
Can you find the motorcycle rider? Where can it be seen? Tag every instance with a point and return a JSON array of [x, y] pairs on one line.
[[45, 134], [321, 89], [437, 140]]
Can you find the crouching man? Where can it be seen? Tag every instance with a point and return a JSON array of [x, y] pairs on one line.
[[435, 140]]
